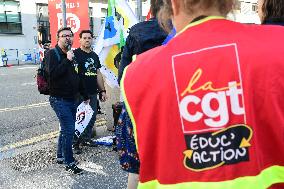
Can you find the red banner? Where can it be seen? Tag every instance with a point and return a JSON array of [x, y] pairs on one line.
[[76, 15]]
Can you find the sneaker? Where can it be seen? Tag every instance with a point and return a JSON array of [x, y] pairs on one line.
[[77, 150], [59, 161], [73, 169], [114, 148], [90, 143]]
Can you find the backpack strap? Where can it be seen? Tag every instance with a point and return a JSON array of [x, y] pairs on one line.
[[57, 54]]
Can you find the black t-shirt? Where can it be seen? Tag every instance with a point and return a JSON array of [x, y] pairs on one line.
[[88, 64]]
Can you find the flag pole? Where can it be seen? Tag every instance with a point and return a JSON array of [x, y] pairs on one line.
[[63, 9], [139, 10]]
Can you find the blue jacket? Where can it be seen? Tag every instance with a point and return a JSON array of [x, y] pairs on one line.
[[274, 21], [142, 37]]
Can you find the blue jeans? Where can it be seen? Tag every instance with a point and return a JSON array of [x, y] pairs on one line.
[[66, 113]]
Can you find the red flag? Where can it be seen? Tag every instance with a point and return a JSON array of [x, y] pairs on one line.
[[148, 16]]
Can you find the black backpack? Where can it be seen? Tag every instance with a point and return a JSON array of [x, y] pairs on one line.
[[42, 75]]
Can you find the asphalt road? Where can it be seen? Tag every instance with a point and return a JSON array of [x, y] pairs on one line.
[[29, 130]]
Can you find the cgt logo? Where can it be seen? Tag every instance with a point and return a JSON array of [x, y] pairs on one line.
[[211, 106], [209, 96], [71, 19], [219, 96]]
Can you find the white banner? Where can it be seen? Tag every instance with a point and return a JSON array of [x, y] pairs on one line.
[[83, 117]]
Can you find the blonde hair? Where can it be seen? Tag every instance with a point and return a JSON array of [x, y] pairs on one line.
[[191, 6]]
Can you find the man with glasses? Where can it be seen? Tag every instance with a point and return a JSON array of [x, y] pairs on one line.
[[89, 64], [64, 87]]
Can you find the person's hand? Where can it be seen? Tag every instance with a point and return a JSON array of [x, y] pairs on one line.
[[87, 101], [70, 55], [103, 96]]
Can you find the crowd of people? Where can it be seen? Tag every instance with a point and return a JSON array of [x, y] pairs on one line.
[[203, 108]]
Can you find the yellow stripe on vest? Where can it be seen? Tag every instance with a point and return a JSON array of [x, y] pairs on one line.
[[268, 177], [128, 106]]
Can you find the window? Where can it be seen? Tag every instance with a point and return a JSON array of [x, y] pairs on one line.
[[104, 11], [102, 20], [43, 25], [10, 17], [254, 8]]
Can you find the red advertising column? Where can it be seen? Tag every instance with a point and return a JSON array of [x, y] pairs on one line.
[[76, 15]]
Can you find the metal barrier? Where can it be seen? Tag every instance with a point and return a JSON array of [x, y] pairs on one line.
[[19, 56]]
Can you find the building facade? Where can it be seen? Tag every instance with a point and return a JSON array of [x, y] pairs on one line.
[[23, 23], [18, 25], [246, 12]]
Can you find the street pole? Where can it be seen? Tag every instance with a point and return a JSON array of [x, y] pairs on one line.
[[139, 10], [63, 9]]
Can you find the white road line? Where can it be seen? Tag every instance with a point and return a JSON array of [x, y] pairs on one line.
[[92, 167]]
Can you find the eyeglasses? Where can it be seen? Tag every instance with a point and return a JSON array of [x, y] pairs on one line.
[[64, 35], [87, 38]]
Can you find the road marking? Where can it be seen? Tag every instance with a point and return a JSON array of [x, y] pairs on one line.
[[42, 104], [92, 167], [24, 68], [30, 141], [40, 138]]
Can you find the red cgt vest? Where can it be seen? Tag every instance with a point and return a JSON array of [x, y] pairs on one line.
[[208, 108]]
